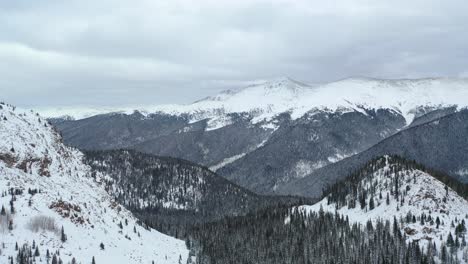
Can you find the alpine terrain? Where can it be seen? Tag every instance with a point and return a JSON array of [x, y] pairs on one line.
[[239, 133], [440, 145], [403, 194], [173, 195], [54, 209]]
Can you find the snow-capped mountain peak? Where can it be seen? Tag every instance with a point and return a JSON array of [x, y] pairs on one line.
[[266, 99], [283, 86]]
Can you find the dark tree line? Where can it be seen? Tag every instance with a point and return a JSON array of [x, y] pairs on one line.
[[287, 236]]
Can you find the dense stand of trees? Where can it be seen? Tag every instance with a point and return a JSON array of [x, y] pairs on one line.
[[287, 236], [171, 194]]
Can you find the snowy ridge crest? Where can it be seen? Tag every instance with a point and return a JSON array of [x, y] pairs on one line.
[[267, 99], [52, 200], [388, 188]]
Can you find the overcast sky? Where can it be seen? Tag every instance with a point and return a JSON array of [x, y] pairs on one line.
[[116, 52]]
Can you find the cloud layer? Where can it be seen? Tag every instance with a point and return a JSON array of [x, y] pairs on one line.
[[55, 53]]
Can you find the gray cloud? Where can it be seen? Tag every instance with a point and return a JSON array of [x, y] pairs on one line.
[[120, 52]]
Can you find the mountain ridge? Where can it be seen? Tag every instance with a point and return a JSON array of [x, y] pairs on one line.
[[405, 95], [51, 202], [393, 189]]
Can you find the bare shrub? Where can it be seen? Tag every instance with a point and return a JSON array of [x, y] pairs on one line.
[[43, 223]]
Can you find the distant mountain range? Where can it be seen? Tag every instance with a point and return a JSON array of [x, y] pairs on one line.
[[267, 100], [273, 137]]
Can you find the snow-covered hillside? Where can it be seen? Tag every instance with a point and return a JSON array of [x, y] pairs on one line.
[[390, 188], [45, 187], [266, 100]]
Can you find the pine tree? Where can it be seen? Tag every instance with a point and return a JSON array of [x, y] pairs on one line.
[[63, 237], [371, 203], [450, 241], [12, 207]]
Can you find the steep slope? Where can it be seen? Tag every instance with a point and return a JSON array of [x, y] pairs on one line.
[[164, 135], [52, 202], [399, 191], [440, 144], [209, 147], [299, 147], [432, 114], [114, 130], [172, 194]]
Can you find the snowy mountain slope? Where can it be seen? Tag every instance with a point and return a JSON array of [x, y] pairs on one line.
[[271, 98], [45, 186], [300, 147], [440, 144], [389, 187], [285, 95]]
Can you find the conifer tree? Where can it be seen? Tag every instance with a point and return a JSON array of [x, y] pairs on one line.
[[54, 259], [63, 237]]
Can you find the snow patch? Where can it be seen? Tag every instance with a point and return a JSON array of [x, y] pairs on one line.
[[230, 160], [337, 157], [462, 172], [303, 168]]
